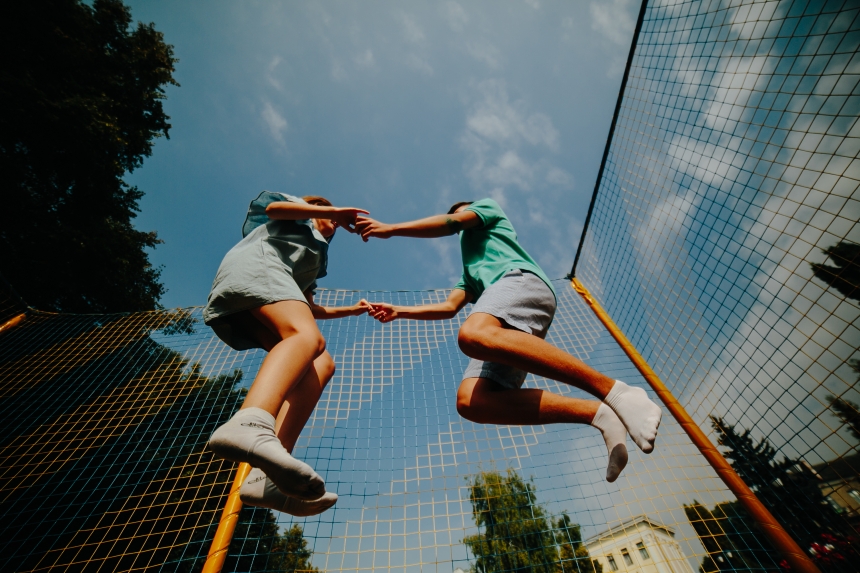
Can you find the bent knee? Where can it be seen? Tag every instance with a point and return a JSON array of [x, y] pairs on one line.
[[325, 368], [464, 400], [472, 341]]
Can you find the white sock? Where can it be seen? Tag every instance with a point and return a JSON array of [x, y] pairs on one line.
[[260, 491], [249, 436], [637, 412], [615, 436]]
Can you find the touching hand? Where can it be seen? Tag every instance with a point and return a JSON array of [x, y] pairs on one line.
[[382, 311], [346, 217], [363, 307], [368, 228]]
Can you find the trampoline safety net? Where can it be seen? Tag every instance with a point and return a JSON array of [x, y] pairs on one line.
[[722, 241]]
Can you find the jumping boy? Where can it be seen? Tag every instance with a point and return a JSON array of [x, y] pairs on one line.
[[504, 335]]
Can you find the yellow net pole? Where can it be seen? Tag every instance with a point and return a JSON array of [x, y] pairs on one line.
[[12, 322], [781, 540], [227, 525]]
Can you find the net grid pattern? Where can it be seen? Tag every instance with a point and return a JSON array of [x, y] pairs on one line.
[[732, 169], [112, 473]]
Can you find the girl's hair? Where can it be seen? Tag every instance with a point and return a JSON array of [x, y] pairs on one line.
[[317, 200], [455, 206]]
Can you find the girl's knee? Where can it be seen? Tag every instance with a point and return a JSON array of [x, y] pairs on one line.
[[325, 368]]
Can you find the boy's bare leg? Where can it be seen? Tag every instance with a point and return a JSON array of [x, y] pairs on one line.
[[485, 402], [485, 337]]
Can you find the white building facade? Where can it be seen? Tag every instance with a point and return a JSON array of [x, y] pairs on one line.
[[639, 545]]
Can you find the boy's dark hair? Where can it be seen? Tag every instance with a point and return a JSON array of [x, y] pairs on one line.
[[456, 206]]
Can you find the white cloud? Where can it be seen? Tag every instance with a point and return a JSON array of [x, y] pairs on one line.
[[275, 121], [456, 16], [412, 30], [270, 77], [415, 62], [364, 59], [484, 52], [497, 120], [499, 138], [613, 19], [559, 177], [338, 73]]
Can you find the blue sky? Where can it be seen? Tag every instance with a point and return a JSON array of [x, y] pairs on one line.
[[399, 108]]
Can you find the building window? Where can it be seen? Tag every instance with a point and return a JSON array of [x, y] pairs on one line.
[[642, 551], [627, 559], [612, 564]]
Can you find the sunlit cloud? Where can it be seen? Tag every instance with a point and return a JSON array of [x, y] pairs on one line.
[[270, 78], [364, 59], [417, 63], [486, 53], [456, 16], [275, 121], [411, 30]]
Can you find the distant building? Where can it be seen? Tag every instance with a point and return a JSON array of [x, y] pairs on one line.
[[840, 484], [640, 545]]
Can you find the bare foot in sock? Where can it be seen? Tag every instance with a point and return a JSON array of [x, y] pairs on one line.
[[615, 436], [637, 412], [259, 491], [249, 436]]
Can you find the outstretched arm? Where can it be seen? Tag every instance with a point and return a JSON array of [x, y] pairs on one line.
[[384, 312], [327, 312], [429, 228], [289, 211]]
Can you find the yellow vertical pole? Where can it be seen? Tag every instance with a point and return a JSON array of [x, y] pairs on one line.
[[781, 540], [12, 322], [227, 525]]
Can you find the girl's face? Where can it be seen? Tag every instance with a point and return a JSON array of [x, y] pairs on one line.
[[326, 227]]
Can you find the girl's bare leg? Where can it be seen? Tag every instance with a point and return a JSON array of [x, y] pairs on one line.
[[250, 435], [302, 399], [300, 343]]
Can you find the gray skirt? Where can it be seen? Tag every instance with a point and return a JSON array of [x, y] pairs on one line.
[[523, 301]]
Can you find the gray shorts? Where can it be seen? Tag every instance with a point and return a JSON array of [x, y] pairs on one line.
[[523, 301]]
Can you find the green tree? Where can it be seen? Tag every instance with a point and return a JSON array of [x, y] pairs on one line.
[[292, 553], [788, 488], [516, 533], [81, 91], [848, 412], [730, 539], [573, 556], [845, 276]]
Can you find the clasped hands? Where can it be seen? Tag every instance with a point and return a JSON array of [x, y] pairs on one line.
[[353, 221]]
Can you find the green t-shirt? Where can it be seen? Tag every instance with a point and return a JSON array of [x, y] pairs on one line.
[[491, 250]]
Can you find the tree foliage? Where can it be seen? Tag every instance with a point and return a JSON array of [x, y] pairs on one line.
[[81, 91], [790, 491], [730, 538], [845, 275], [517, 534]]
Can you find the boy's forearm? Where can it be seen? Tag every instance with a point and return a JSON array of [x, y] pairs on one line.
[[427, 228], [426, 312]]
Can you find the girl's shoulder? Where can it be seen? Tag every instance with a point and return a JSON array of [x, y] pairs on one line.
[[257, 209]]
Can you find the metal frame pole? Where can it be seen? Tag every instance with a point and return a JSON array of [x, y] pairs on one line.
[[227, 525]]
